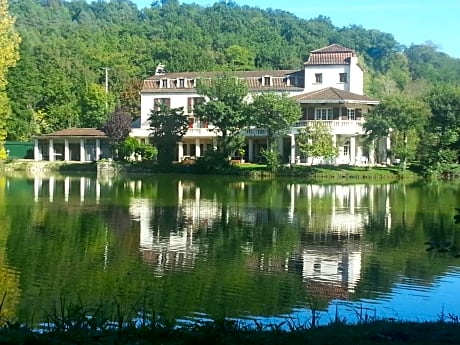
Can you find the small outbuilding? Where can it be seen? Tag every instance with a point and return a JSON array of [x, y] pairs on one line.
[[72, 144]]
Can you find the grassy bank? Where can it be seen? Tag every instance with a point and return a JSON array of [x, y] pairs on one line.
[[229, 333], [304, 172]]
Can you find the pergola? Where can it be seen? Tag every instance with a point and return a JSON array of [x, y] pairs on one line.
[[72, 144]]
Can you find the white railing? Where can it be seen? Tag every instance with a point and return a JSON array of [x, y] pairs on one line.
[[336, 127], [254, 132], [328, 123], [200, 132]]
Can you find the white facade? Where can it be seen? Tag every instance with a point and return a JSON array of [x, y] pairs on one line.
[[329, 89]]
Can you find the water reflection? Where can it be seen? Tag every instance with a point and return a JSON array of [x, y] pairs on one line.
[[246, 248]]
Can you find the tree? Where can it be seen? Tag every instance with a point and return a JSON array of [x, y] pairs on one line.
[[401, 117], [95, 106], [118, 125], [276, 113], [316, 142], [226, 109], [9, 45], [442, 137], [239, 58], [168, 126]]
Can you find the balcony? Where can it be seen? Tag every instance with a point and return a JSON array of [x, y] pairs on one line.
[[254, 132], [200, 132], [336, 126], [345, 127]]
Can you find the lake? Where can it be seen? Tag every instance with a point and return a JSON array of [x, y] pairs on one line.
[[199, 247]]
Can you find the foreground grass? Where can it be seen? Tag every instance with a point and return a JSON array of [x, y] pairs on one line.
[[229, 333]]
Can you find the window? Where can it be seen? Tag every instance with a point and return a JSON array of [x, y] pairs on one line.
[[158, 101], [192, 102], [319, 78], [323, 114], [343, 77], [351, 115], [267, 81], [182, 82], [346, 148], [164, 82]]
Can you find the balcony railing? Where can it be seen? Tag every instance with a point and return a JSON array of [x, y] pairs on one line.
[[254, 132], [200, 132], [336, 127], [329, 123]]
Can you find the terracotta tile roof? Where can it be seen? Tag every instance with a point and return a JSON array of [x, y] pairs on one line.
[[75, 132], [333, 95], [333, 48], [289, 80], [334, 54]]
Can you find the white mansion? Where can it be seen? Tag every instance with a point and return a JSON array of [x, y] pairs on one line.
[[329, 89]]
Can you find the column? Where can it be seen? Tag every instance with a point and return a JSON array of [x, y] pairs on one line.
[[293, 157], [251, 150], [387, 149], [372, 153], [51, 150], [82, 150], [180, 154], [197, 148], [98, 149], [66, 150], [353, 150], [334, 143], [37, 154]]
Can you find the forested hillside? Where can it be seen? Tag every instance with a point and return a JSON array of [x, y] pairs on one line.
[[60, 79]]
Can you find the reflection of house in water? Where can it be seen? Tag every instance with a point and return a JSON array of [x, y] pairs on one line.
[[64, 187], [330, 218], [174, 247], [164, 250], [335, 216], [198, 212]]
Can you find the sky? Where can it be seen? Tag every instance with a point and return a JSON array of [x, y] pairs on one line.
[[409, 21]]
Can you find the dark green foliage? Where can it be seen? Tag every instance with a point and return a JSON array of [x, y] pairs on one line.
[[226, 109], [442, 136], [168, 126], [66, 46]]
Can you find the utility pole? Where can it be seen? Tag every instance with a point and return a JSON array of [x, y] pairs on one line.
[[106, 89]]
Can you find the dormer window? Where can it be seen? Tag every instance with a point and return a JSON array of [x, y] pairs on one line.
[[343, 77], [164, 83], [267, 81], [319, 78]]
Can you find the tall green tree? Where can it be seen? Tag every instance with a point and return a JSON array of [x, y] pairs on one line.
[[9, 46], [276, 113], [441, 145], [168, 126], [401, 117], [316, 142], [96, 105], [226, 109]]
